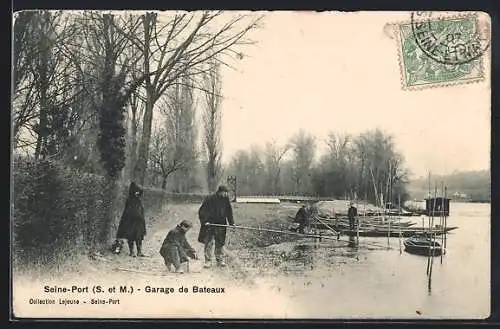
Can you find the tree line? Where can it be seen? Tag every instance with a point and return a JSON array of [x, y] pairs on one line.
[[117, 95], [137, 96], [363, 166]]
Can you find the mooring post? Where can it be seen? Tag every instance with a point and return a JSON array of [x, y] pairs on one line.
[[445, 219], [428, 211], [399, 221], [433, 235], [441, 221]]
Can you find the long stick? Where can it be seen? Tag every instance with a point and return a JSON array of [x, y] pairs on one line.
[[429, 222], [433, 236], [445, 218], [441, 222], [327, 226], [275, 231], [388, 197], [399, 220]]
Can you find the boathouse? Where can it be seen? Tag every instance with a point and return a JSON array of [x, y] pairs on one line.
[[436, 206]]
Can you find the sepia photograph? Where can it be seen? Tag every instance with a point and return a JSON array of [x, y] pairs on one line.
[[250, 165]]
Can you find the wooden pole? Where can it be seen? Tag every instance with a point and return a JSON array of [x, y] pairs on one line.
[[399, 221], [274, 231], [327, 226], [358, 224], [428, 205], [433, 235], [441, 222], [445, 218]]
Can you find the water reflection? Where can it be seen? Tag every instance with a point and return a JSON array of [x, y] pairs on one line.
[[457, 287]]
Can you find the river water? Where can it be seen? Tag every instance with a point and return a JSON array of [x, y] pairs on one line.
[[375, 281], [386, 283]]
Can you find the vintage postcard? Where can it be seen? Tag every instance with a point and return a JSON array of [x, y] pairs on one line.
[[250, 165]]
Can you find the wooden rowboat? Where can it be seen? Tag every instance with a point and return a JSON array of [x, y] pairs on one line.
[[422, 245]]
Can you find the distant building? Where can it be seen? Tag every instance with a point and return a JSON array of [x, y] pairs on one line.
[[436, 206], [460, 196]]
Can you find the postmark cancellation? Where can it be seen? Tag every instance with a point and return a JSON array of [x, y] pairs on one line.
[[437, 50]]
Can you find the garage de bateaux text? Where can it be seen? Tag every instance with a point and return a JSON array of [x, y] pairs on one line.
[[123, 289]]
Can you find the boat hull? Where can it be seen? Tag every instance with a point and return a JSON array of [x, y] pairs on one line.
[[393, 233], [422, 247]]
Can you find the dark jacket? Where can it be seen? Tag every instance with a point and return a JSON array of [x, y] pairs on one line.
[[215, 210], [132, 223], [301, 216], [177, 238], [352, 212]]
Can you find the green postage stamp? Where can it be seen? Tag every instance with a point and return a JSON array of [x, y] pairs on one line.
[[438, 50]]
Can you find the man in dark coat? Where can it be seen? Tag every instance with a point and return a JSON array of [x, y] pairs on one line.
[[215, 209], [301, 217], [352, 212], [132, 225], [175, 249]]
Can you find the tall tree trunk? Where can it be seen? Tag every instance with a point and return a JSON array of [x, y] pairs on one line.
[[133, 145], [142, 159], [110, 223], [43, 86], [164, 183]]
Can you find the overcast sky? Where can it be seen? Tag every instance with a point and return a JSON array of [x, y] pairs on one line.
[[339, 72]]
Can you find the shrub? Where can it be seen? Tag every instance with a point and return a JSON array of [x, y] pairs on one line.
[[60, 211], [54, 210]]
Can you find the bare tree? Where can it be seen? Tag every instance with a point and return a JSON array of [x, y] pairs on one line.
[[339, 148], [273, 157], [180, 47], [136, 104], [248, 167], [212, 117], [172, 147], [45, 86], [303, 146]]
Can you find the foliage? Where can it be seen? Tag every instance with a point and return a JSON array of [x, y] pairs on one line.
[[55, 209], [58, 211], [362, 167]]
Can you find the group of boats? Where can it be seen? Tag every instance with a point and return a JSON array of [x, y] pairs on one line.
[[418, 239]]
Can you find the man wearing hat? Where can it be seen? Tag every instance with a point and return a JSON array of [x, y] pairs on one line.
[[215, 209], [175, 249], [352, 212]]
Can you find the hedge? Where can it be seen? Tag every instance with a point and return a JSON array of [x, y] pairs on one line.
[[57, 210]]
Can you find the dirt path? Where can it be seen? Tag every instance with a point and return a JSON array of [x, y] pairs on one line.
[[267, 276]]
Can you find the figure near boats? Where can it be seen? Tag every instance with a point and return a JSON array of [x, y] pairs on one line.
[[352, 213]]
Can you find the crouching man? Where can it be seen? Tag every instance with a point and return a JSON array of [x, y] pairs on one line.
[[175, 249]]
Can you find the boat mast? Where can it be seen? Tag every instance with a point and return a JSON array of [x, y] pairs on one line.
[[388, 183], [433, 240], [445, 219], [441, 222], [428, 206], [399, 221]]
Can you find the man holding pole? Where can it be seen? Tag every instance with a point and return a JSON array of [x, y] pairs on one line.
[[215, 209]]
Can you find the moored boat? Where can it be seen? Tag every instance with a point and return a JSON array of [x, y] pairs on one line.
[[406, 232], [422, 244]]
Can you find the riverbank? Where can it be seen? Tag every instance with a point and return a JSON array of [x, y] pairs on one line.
[[273, 276]]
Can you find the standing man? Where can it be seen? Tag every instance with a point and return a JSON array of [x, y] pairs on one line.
[[352, 212], [215, 209]]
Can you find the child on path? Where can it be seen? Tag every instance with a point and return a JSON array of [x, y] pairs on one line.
[[175, 249]]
